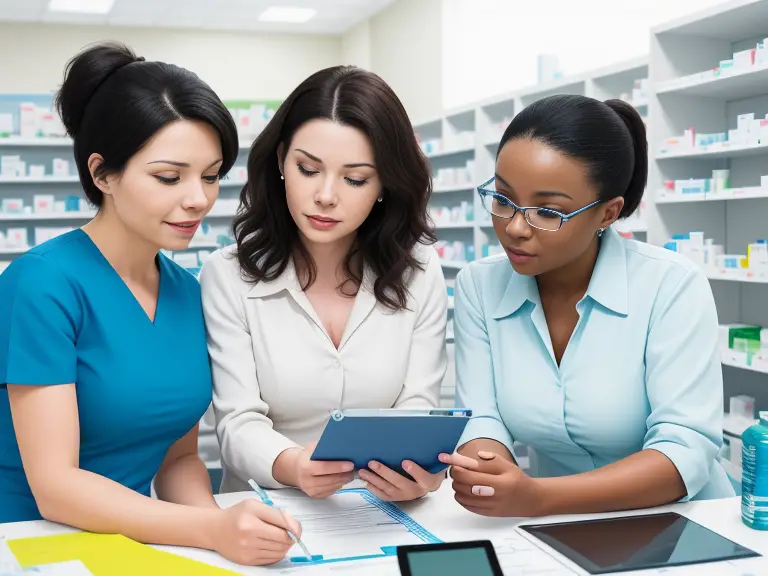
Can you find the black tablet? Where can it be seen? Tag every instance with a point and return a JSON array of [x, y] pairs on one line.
[[637, 543], [449, 559]]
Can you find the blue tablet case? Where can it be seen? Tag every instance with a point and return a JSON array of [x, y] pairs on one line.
[[392, 436]]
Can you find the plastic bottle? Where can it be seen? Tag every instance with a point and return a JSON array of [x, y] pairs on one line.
[[754, 478]]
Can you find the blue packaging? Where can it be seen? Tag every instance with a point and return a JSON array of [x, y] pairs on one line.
[[754, 478]]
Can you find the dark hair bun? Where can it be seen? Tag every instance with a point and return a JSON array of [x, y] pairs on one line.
[[636, 127], [83, 76]]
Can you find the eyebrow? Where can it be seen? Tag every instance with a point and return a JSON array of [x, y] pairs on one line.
[[541, 193], [354, 165], [182, 164]]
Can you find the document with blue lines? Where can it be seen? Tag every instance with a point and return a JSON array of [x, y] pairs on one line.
[[350, 525]]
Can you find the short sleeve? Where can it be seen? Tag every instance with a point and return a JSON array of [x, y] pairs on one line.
[[39, 314]]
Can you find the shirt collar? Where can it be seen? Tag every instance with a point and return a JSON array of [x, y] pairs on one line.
[[288, 280], [607, 287]]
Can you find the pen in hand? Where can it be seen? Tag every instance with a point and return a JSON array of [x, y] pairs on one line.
[[268, 501]]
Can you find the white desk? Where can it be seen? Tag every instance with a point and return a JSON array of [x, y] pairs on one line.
[[440, 514]]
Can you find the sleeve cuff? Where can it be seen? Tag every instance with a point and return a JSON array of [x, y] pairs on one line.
[[253, 457], [685, 461], [486, 427]]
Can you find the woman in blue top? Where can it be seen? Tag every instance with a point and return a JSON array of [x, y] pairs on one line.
[[103, 360], [598, 352]]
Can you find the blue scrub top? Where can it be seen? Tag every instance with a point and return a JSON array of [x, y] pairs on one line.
[[641, 370], [66, 317]]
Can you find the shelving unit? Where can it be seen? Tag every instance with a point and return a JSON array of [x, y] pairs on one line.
[[686, 91]]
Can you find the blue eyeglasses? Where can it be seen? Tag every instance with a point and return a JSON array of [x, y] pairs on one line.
[[498, 205]]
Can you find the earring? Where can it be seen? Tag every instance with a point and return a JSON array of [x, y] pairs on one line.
[[381, 198], [600, 232], [282, 177]]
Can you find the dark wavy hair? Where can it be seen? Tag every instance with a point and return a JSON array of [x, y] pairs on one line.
[[267, 237]]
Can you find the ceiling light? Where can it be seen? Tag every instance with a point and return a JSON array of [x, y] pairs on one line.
[[288, 14], [81, 6]]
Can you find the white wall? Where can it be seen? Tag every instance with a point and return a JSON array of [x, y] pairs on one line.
[[490, 46], [356, 46], [236, 65], [407, 50]]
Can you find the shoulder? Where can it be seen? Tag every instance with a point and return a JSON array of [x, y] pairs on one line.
[[487, 278], [34, 273], [222, 271], [654, 266]]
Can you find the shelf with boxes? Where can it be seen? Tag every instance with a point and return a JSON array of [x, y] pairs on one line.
[[708, 139]]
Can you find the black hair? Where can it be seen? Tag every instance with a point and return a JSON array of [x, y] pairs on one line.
[[608, 138], [267, 237], [112, 103]]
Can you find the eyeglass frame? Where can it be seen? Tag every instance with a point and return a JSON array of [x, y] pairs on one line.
[[483, 192]]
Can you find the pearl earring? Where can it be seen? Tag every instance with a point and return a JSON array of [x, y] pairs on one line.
[[600, 232], [381, 198], [282, 177]]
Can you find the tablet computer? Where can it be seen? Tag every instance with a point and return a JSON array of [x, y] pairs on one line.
[[449, 559], [392, 435], [630, 543]]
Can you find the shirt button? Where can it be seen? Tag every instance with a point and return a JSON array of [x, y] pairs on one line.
[[337, 363]]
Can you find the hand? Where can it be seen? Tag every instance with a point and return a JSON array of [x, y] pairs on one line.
[[394, 487], [494, 486], [321, 479], [254, 534]]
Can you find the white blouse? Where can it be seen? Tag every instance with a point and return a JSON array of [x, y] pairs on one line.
[[277, 375]]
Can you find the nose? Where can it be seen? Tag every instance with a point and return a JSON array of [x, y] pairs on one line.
[[199, 195], [325, 195], [518, 227]]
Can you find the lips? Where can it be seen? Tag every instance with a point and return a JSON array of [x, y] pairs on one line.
[[518, 252], [323, 219]]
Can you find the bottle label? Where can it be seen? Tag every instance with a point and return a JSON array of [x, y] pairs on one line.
[[754, 484]]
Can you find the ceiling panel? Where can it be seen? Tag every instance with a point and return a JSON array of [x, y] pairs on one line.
[[334, 16]]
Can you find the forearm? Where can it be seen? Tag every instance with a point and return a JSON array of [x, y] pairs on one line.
[[471, 448], [642, 480], [96, 504], [185, 481], [285, 469]]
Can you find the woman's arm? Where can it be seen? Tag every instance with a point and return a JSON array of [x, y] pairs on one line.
[[183, 477]]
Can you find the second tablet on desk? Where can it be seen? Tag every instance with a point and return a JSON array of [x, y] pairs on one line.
[[390, 436]]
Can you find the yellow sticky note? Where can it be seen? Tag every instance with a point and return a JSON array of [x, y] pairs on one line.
[[107, 555]]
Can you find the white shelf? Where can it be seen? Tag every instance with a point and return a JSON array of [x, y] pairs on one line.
[[718, 151], [13, 251], [453, 152], [749, 193], [453, 264], [455, 188], [633, 225], [733, 86], [735, 275], [73, 215], [43, 180], [46, 142], [455, 226], [726, 361]]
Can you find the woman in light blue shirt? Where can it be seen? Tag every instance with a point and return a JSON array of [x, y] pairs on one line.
[[597, 352]]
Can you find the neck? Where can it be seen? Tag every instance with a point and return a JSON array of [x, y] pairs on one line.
[[329, 259], [571, 279], [132, 257]]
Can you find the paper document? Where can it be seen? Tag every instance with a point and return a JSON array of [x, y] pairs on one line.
[[350, 525]]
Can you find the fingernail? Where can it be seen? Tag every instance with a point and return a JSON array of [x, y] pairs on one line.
[[486, 455], [348, 467], [373, 465], [443, 458], [483, 490], [407, 466], [365, 485]]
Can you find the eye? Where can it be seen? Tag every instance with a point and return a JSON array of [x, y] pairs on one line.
[[547, 213], [167, 180], [305, 171], [211, 179], [503, 200], [356, 183]]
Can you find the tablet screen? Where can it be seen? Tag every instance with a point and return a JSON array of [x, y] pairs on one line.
[[637, 543], [451, 559]]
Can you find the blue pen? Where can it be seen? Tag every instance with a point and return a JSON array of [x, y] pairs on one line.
[[268, 501]]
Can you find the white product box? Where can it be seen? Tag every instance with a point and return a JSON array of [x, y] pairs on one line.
[[13, 206], [744, 60], [45, 233], [29, 127], [16, 238], [36, 171], [60, 168], [6, 124], [43, 203], [186, 259], [60, 206]]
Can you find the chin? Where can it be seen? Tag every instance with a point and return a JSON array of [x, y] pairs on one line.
[[525, 269]]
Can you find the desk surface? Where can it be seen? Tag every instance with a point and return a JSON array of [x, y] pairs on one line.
[[440, 514]]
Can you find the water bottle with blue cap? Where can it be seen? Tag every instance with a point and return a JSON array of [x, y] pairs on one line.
[[754, 478]]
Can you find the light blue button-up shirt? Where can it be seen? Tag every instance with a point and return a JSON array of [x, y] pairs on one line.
[[641, 370]]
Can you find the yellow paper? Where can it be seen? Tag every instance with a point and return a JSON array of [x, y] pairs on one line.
[[107, 555]]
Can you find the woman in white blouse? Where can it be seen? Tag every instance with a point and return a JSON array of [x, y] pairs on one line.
[[332, 297]]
